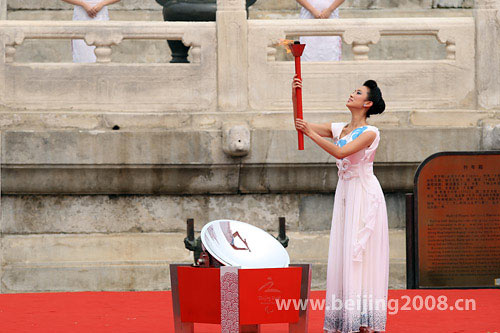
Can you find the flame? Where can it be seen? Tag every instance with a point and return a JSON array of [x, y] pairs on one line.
[[286, 43]]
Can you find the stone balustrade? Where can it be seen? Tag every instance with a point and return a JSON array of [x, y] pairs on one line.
[[407, 83], [181, 87], [115, 86]]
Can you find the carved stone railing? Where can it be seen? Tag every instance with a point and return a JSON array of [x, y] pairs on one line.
[[407, 83], [234, 67], [90, 86]]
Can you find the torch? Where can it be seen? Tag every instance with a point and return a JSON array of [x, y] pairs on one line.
[[297, 50]]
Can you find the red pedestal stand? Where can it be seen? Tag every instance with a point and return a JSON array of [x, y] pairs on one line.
[[248, 298]]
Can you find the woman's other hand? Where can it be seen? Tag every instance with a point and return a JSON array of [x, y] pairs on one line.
[[316, 13], [302, 125], [296, 83], [89, 9], [97, 8], [326, 13]]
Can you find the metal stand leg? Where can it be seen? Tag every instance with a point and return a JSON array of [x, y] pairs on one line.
[[305, 289], [179, 326]]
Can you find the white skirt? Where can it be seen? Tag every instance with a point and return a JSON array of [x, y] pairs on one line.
[[321, 48], [81, 51]]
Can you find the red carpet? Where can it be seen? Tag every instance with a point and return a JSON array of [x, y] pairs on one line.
[[152, 312]]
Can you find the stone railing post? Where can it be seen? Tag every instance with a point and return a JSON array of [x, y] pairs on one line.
[[487, 19], [3, 9], [447, 37], [12, 40], [360, 39], [103, 43], [232, 55]]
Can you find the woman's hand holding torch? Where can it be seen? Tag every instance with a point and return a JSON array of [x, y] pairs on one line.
[[297, 50], [300, 124]]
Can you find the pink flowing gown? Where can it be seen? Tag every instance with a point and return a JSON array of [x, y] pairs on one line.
[[358, 256]]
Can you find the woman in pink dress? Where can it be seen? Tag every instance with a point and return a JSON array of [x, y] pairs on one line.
[[358, 257]]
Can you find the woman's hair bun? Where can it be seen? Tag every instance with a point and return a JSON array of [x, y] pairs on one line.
[[375, 96]]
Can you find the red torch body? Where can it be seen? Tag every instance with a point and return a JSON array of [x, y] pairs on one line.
[[297, 50]]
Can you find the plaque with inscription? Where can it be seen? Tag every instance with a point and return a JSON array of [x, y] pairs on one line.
[[457, 220]]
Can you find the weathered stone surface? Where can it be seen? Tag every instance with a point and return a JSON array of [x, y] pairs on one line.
[[402, 48], [112, 214], [135, 261], [102, 276], [393, 147], [128, 51], [310, 177], [425, 142], [460, 118], [276, 5], [118, 162], [397, 274], [487, 20], [313, 212], [22, 120], [232, 55], [132, 179], [45, 214], [3, 9], [93, 248], [491, 134], [452, 3], [113, 147], [99, 89]]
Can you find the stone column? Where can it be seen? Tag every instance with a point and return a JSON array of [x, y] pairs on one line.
[[487, 17], [3, 9], [232, 55]]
